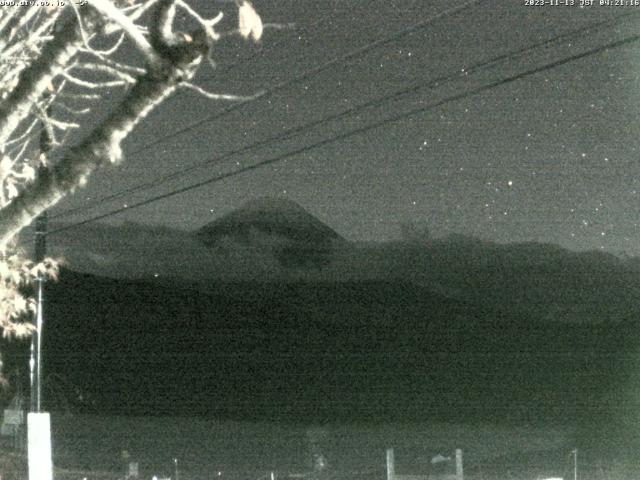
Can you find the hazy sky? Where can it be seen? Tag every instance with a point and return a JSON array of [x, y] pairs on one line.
[[551, 157]]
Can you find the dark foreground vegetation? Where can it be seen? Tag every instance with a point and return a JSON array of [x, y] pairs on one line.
[[358, 351]]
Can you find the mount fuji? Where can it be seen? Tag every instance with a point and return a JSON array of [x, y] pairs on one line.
[[275, 226]]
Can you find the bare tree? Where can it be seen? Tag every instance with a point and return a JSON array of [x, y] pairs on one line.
[[57, 60]]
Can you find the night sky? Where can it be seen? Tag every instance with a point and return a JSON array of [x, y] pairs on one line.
[[551, 157]]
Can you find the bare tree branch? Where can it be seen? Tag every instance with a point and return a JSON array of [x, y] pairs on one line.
[[112, 68], [206, 24], [103, 144], [44, 65], [35, 37], [110, 11], [15, 21], [102, 54], [35, 79], [218, 96], [93, 85]]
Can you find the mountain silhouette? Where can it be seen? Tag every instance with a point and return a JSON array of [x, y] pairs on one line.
[[277, 240], [277, 225]]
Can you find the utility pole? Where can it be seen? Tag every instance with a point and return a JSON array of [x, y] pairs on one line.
[[38, 422], [391, 464], [35, 362], [40, 252]]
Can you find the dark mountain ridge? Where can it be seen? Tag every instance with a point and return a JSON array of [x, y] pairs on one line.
[[267, 314], [539, 281], [276, 240], [368, 351], [544, 282]]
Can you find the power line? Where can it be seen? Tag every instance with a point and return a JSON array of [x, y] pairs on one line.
[[311, 72], [360, 130], [348, 112], [306, 74], [224, 71]]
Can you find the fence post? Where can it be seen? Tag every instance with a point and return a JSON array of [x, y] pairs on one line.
[[459, 472], [391, 467]]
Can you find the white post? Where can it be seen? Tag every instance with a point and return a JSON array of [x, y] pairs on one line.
[[39, 446], [134, 471], [459, 472], [391, 467]]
